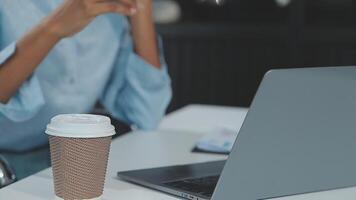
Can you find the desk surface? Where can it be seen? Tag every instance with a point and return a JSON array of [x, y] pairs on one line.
[[169, 145], [133, 151], [202, 119]]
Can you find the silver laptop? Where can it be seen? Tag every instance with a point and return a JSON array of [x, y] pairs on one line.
[[299, 136]]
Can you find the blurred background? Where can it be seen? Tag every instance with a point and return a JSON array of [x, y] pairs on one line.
[[218, 51]]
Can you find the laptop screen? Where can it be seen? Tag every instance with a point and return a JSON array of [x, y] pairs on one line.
[[298, 137]]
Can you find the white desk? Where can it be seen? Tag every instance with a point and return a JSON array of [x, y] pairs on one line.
[[202, 119], [133, 151], [169, 145]]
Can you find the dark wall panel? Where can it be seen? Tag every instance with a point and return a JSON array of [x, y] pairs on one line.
[[221, 70], [218, 55]]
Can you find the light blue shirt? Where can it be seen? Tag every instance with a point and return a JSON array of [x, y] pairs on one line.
[[97, 64]]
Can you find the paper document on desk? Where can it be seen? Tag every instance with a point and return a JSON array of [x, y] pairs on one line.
[[220, 140]]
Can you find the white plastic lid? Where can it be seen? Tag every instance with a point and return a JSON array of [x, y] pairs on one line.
[[80, 126]]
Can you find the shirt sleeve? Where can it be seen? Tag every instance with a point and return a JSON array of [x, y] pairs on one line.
[[146, 91], [28, 99]]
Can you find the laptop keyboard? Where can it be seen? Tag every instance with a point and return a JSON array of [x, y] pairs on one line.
[[204, 186]]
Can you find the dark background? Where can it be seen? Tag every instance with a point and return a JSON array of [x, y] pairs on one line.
[[218, 55]]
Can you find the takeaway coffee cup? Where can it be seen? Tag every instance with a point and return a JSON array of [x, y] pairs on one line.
[[80, 146]]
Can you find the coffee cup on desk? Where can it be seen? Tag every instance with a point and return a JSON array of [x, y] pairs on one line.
[[80, 146]]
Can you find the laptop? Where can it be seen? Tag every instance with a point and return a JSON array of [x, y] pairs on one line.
[[299, 136]]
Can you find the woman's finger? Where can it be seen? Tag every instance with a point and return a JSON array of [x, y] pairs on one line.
[[128, 2], [131, 3], [113, 6]]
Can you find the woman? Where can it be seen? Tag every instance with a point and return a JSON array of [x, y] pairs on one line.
[[61, 56]]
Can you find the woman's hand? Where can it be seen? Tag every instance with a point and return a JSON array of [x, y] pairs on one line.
[[74, 15], [70, 18]]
